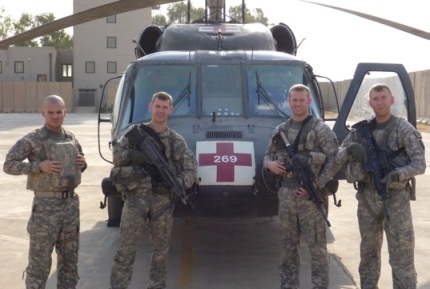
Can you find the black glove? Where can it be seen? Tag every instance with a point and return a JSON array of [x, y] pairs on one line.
[[357, 152]]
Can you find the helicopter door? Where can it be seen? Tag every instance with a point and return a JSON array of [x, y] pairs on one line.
[[355, 105]]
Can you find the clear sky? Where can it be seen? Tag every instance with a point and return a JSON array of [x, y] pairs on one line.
[[335, 42]]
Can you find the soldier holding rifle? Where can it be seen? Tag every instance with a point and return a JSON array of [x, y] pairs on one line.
[[301, 147], [152, 167], [382, 156]]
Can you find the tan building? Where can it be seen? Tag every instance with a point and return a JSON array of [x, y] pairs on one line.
[[28, 64], [102, 49]]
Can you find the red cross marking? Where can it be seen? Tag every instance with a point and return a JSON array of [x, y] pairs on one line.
[[225, 160]]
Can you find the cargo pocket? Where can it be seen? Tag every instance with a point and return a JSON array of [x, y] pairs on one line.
[[43, 219], [30, 224]]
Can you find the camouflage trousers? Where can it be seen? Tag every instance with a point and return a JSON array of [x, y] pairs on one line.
[[133, 218], [400, 238], [53, 223], [299, 216]]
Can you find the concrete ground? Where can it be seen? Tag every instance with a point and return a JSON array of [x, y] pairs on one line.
[[206, 253]]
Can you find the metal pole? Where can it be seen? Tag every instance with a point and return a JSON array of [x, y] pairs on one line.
[[225, 11], [206, 11], [50, 66], [243, 11], [189, 12]]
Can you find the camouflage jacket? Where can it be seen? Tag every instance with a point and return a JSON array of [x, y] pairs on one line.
[[127, 176], [397, 134], [36, 147], [319, 146]]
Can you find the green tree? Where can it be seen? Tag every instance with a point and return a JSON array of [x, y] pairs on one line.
[[235, 13], [5, 24], [197, 13], [24, 23], [159, 20], [177, 13], [58, 39], [260, 18]]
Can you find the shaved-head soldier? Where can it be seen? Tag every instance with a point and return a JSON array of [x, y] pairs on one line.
[[52, 159]]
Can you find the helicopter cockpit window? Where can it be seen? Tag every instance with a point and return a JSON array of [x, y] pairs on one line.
[[222, 90], [268, 87], [177, 80]]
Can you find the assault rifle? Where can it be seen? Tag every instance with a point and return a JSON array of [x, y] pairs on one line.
[[305, 177], [377, 163], [146, 141]]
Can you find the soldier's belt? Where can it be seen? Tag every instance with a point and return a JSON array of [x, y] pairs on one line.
[[288, 175], [58, 195]]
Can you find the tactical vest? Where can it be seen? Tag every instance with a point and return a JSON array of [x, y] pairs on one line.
[[130, 177], [306, 145], [65, 151], [394, 156]]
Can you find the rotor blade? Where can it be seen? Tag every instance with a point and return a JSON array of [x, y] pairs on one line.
[[106, 10], [395, 25]]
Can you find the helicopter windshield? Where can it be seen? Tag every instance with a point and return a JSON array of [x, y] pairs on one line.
[[268, 87], [177, 80], [222, 90]]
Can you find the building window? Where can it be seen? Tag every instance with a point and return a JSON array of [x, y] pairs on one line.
[[19, 66], [90, 66], [42, 78], [111, 67], [111, 42], [111, 19], [66, 70]]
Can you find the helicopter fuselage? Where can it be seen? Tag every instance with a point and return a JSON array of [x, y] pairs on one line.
[[227, 104]]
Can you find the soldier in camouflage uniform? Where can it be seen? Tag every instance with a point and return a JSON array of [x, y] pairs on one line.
[[402, 142], [145, 198], [298, 215], [55, 161]]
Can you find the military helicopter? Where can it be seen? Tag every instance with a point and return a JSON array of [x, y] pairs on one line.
[[229, 80]]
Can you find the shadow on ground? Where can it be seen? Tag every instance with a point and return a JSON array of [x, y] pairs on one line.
[[232, 254]]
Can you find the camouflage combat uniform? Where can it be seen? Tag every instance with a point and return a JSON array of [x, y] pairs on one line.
[[298, 215], [142, 201], [395, 134], [54, 218]]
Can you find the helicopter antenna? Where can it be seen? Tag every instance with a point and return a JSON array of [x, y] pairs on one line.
[[243, 11], [189, 12], [301, 42], [139, 47]]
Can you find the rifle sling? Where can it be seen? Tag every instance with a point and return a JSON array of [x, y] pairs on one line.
[[152, 133], [392, 123], [384, 149], [298, 137]]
